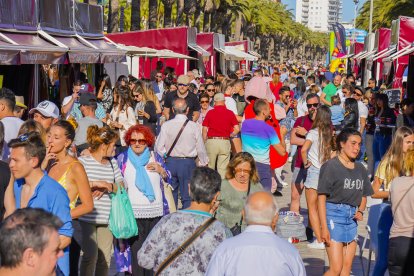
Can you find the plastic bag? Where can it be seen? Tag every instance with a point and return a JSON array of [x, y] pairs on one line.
[[121, 218]]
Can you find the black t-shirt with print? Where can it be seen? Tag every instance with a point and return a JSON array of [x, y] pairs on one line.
[[343, 185], [191, 99]]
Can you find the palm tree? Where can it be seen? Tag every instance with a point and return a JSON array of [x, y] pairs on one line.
[[209, 7], [153, 12], [113, 16], [180, 12], [135, 15], [168, 13]]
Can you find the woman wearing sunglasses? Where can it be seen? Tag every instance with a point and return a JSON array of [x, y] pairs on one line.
[[143, 171], [205, 107]]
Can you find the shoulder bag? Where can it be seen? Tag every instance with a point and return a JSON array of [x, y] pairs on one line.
[[184, 245], [176, 139], [236, 229]]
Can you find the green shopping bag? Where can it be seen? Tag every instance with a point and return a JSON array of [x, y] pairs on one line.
[[121, 218]]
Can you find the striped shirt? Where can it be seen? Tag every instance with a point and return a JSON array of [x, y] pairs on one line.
[[97, 171]]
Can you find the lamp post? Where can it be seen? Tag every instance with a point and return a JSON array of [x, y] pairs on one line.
[[356, 9]]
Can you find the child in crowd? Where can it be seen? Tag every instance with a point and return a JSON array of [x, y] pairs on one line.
[[337, 112]]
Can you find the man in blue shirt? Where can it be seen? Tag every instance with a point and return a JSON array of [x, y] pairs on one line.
[[35, 189]]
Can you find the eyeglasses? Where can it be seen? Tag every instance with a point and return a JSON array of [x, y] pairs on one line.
[[315, 105], [357, 94], [210, 90], [137, 95], [158, 77], [139, 141], [203, 102], [182, 84], [240, 170]]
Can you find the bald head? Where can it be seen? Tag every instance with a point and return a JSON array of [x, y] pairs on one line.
[[180, 106], [337, 80], [260, 209]]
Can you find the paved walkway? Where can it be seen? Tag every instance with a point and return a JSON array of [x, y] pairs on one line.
[[316, 261]]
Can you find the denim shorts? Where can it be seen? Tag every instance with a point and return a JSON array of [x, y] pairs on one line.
[[312, 178], [341, 223], [299, 175]]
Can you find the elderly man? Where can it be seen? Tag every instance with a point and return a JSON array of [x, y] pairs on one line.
[[173, 230], [219, 125], [29, 243], [257, 251], [190, 98], [180, 142], [330, 90]]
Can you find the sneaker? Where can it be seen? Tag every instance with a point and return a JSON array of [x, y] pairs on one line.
[[277, 193], [316, 245]]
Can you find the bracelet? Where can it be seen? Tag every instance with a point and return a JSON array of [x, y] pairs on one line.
[[359, 211]]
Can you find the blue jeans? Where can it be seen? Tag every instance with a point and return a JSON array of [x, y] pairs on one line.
[[265, 176], [360, 157], [379, 147], [181, 170]]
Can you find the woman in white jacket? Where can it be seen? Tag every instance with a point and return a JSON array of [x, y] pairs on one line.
[[122, 115]]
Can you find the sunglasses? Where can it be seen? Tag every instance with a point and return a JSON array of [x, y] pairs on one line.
[[210, 90], [357, 94], [201, 90], [203, 102], [139, 141], [197, 78], [158, 77], [182, 84], [315, 105], [137, 95]]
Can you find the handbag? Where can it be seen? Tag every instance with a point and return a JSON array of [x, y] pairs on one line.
[[290, 225], [177, 252], [121, 218], [236, 229], [169, 197], [176, 139]]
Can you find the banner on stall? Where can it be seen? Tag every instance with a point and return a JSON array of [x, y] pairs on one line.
[[394, 96]]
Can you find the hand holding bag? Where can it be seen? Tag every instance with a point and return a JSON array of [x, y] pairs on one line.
[[236, 229]]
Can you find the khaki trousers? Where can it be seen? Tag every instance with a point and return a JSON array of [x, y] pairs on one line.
[[97, 248], [218, 152]]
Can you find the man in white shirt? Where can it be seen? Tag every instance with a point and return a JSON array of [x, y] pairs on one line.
[[11, 123], [181, 160], [258, 250]]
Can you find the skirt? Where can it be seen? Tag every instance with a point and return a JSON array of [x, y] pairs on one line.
[[341, 223]]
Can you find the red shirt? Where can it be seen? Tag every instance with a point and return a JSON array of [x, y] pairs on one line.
[[275, 89], [220, 122], [307, 124]]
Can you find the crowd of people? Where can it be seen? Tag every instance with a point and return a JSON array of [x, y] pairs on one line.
[[202, 159]]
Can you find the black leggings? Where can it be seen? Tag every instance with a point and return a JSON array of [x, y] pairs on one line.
[[144, 228], [401, 256]]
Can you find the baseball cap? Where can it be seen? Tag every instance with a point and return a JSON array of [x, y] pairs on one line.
[[47, 109], [219, 97], [183, 79], [20, 102], [87, 99]]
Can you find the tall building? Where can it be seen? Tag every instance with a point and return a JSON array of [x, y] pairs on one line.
[[318, 15]]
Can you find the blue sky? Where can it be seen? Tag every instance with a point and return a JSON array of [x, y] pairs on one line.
[[348, 8]]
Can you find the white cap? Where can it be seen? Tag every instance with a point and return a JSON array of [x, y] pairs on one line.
[[47, 109]]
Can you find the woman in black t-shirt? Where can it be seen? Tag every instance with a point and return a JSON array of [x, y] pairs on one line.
[[342, 191]]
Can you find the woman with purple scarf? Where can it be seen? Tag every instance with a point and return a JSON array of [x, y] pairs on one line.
[[143, 171]]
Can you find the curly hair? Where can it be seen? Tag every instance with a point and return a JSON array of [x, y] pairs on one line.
[[144, 130]]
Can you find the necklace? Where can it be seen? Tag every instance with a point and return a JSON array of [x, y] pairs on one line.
[[347, 162]]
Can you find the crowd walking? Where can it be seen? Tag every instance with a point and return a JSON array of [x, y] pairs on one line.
[[199, 163]]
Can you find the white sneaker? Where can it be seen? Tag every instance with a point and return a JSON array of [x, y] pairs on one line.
[[316, 245]]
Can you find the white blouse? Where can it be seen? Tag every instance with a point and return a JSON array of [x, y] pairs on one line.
[[141, 206], [126, 118]]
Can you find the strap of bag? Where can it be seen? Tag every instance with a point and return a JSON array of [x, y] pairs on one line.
[[248, 192], [398, 204], [184, 245], [176, 138]]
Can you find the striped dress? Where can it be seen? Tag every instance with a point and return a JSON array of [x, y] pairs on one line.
[[97, 171]]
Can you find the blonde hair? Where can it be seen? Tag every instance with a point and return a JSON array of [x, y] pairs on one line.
[[409, 162], [239, 158], [31, 125], [394, 158], [100, 136]]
